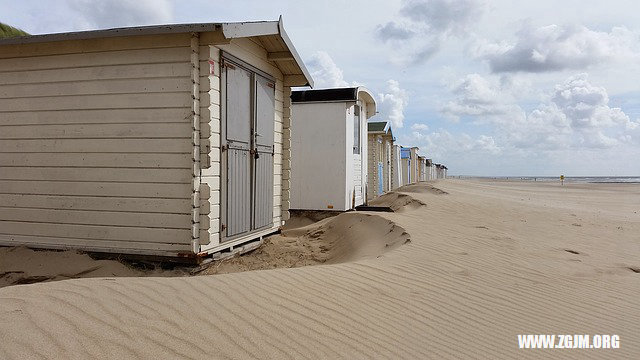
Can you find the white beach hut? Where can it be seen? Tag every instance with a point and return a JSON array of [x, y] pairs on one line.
[[329, 148], [405, 166], [165, 140], [379, 158], [430, 169], [396, 167], [422, 168], [415, 165]]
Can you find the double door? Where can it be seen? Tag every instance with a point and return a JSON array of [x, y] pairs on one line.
[[248, 114]]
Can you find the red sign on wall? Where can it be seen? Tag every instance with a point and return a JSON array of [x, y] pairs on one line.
[[212, 67]]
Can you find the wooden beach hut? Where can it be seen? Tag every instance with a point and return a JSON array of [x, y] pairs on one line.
[[422, 168], [380, 157], [430, 169], [415, 165], [405, 166], [441, 171], [396, 167], [168, 140], [329, 148]]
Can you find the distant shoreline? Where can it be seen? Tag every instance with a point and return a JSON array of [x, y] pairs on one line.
[[568, 179]]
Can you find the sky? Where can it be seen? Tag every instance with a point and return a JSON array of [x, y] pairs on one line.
[[486, 87]]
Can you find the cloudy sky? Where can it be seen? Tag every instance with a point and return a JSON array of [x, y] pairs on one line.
[[487, 87]]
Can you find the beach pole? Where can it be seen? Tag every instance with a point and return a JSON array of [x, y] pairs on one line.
[[562, 179]]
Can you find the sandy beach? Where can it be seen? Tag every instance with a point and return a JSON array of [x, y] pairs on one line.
[[456, 272]]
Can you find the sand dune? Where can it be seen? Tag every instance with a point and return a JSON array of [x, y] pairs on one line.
[[397, 202], [344, 238], [486, 262]]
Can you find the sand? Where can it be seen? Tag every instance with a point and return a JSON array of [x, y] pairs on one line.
[[347, 237], [20, 265], [487, 261]]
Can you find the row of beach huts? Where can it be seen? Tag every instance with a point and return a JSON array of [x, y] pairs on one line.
[[340, 160], [180, 141]]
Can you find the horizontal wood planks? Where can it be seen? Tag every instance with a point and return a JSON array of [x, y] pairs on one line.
[[95, 144]]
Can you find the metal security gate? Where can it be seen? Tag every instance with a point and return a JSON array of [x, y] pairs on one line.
[[247, 149]]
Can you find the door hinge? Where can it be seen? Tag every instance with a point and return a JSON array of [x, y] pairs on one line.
[[223, 227], [224, 148]]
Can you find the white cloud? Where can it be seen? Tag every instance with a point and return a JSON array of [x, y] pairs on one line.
[[481, 96], [419, 127], [426, 24], [117, 13], [394, 31], [325, 72], [391, 104], [555, 47], [576, 115], [443, 146], [443, 17]]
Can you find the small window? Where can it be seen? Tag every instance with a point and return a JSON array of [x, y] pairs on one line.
[[356, 129]]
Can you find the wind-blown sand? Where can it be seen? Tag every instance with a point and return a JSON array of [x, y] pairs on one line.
[[20, 265], [487, 261], [344, 238]]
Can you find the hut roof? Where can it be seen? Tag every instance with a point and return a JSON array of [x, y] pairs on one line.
[[270, 34]]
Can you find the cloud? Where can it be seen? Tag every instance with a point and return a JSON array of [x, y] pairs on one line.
[[419, 127], [586, 105], [443, 146], [480, 96], [555, 48], [575, 115], [443, 17], [117, 13], [426, 24], [325, 72], [391, 104], [394, 31]]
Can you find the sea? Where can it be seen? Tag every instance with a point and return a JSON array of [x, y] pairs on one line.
[[570, 179]]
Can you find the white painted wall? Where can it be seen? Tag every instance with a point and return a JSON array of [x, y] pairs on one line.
[[396, 168], [325, 173], [359, 174], [319, 157]]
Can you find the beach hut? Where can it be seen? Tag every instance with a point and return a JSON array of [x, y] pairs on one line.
[[415, 165], [430, 169], [380, 156], [168, 140], [441, 171], [421, 168], [329, 148], [405, 166], [396, 167]]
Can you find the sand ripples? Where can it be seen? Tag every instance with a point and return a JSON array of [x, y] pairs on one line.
[[453, 292]]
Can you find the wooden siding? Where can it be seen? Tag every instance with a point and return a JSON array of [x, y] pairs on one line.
[[372, 165], [95, 144]]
